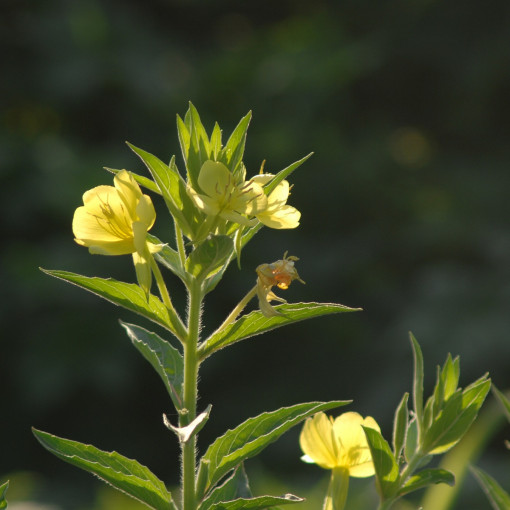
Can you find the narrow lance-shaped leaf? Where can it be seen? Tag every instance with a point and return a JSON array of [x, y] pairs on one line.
[[258, 503], [503, 400], [199, 147], [172, 187], [255, 434], [234, 487], [425, 478], [184, 138], [140, 179], [165, 359], [170, 259], [129, 296], [255, 323], [456, 417], [385, 464], [215, 141], [232, 154], [283, 174], [400, 426], [3, 491], [417, 384], [498, 497], [209, 257], [124, 474]]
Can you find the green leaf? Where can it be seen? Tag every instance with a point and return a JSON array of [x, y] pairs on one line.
[[209, 257], [503, 400], [425, 478], [283, 174], [199, 147], [385, 464], [165, 359], [169, 258], [236, 486], [3, 491], [411, 443], [127, 295], [417, 383], [232, 154], [216, 141], [259, 503], [173, 189], [455, 418], [446, 383], [499, 499], [252, 436], [255, 323], [140, 179], [122, 473], [400, 426], [184, 138]]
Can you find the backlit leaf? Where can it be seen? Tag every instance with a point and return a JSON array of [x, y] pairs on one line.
[[122, 473], [255, 323]]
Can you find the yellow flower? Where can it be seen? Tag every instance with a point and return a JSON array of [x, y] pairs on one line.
[[339, 443], [226, 198], [114, 220], [277, 213], [280, 273]]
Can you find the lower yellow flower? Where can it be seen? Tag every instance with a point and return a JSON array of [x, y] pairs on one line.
[[339, 445], [114, 220]]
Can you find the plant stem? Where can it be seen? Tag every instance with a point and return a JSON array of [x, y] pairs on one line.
[[165, 296], [238, 309], [179, 241], [191, 364]]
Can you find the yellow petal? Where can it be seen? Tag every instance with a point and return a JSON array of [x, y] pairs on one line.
[[128, 191], [278, 197], [317, 441], [262, 179], [250, 199], [285, 217], [96, 233], [215, 179], [145, 211], [354, 452]]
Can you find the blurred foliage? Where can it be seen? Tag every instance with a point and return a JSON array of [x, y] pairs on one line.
[[405, 208]]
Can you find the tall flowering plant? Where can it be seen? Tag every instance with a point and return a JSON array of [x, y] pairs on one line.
[[215, 208]]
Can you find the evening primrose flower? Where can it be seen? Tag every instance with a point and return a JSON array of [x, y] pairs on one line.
[[339, 445], [226, 198], [277, 213], [114, 220], [280, 273]]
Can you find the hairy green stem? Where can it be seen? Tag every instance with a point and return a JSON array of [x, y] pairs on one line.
[[191, 364]]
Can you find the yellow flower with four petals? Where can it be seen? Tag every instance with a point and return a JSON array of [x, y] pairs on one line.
[[339, 445], [240, 201], [114, 220]]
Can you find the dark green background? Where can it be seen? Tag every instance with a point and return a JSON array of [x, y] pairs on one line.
[[405, 208]]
